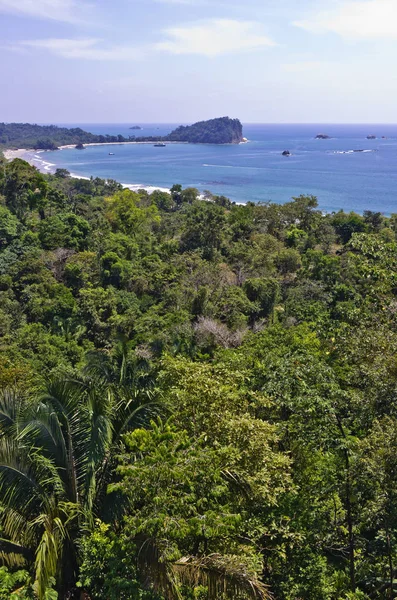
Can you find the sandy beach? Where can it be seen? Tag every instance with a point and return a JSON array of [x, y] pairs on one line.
[[116, 144], [11, 154], [36, 159]]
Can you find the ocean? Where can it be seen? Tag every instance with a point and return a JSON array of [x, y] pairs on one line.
[[256, 171]]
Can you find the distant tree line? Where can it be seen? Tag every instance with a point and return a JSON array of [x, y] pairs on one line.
[[50, 137]]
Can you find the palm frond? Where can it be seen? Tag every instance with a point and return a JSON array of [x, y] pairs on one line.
[[156, 570], [55, 524], [99, 439], [47, 556], [18, 528], [135, 410], [45, 433], [14, 554], [10, 402], [222, 575], [99, 368], [66, 398], [19, 486]]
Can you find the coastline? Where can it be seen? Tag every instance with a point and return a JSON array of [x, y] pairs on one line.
[[33, 158]]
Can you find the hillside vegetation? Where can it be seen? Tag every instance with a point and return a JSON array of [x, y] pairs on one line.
[[198, 399], [50, 137], [214, 131]]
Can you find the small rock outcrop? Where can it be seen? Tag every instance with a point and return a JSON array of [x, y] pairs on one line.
[[80, 146], [371, 137], [286, 153], [322, 136]]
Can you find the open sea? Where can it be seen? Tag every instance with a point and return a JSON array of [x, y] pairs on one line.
[[256, 171]]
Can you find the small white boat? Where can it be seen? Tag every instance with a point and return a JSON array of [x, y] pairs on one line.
[[111, 153]]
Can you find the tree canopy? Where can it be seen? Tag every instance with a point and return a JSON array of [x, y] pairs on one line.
[[197, 398]]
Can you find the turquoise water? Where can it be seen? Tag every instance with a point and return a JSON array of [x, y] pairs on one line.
[[256, 171]]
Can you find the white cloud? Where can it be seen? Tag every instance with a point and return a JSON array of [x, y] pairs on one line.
[[214, 37], [210, 38], [58, 10], [373, 19], [88, 49]]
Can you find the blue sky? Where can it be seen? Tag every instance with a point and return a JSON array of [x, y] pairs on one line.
[[69, 61]]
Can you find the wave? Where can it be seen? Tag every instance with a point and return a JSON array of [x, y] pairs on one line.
[[43, 165], [75, 176], [353, 151], [235, 167], [222, 166]]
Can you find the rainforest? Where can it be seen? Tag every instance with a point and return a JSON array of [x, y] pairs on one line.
[[198, 399]]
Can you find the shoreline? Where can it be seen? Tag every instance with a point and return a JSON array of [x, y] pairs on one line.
[[33, 158], [71, 146]]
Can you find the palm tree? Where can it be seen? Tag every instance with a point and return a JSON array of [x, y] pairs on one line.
[[123, 367], [56, 456]]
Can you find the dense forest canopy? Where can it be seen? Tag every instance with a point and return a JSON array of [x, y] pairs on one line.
[[48, 137], [198, 399]]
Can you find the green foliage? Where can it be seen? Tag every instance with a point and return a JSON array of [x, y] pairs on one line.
[[266, 333], [48, 137], [9, 226], [347, 224], [24, 188], [288, 261], [266, 292], [107, 570], [16, 585], [215, 131], [204, 228], [56, 451], [126, 215], [64, 231]]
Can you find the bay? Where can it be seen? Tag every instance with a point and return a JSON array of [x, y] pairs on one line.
[[333, 169]]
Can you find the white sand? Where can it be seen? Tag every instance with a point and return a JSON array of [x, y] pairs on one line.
[[11, 154], [33, 158], [116, 144]]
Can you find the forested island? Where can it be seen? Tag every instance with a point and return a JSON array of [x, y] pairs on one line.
[[49, 137], [214, 131], [198, 399]]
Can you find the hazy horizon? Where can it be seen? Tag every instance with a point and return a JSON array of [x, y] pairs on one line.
[[138, 122]]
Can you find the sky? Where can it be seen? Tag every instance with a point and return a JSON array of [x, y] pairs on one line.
[[179, 61]]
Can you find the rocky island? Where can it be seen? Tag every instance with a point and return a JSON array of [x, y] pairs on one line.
[[215, 131], [136, 127], [322, 136], [371, 137]]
